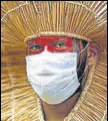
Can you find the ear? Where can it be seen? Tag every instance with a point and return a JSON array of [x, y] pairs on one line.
[[93, 53]]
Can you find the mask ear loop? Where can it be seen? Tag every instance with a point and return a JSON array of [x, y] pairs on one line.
[[82, 77], [83, 72], [83, 49], [86, 68]]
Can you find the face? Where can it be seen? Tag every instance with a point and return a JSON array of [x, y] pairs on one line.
[[53, 44], [40, 74], [52, 71]]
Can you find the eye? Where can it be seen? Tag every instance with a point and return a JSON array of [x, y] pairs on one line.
[[60, 44], [36, 47]]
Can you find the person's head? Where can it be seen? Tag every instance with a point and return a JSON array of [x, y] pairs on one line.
[[51, 54]]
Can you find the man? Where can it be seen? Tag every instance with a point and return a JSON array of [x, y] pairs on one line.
[[61, 56], [48, 63]]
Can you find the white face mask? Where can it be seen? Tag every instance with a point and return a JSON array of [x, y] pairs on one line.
[[53, 76]]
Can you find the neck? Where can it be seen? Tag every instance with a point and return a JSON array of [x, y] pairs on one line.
[[59, 111]]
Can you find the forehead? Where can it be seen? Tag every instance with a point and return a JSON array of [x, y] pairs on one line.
[[47, 39]]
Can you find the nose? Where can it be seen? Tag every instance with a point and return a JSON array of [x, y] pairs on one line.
[[45, 48], [45, 51], [45, 54], [45, 72]]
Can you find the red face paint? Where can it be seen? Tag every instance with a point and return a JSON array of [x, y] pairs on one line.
[[53, 43]]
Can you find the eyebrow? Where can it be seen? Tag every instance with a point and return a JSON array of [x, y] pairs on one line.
[[51, 43], [30, 42], [59, 40]]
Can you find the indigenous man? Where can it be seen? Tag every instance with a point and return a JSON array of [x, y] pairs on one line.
[[54, 61]]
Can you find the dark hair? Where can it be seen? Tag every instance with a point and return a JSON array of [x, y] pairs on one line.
[[82, 67]]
